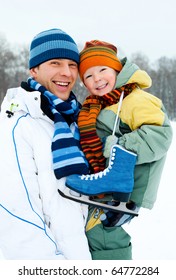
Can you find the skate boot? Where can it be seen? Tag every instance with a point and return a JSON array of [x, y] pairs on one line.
[[116, 179]]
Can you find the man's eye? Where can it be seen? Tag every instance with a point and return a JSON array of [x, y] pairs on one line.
[[73, 65], [55, 62]]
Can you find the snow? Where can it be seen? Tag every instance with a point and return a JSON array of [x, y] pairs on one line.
[[153, 232]]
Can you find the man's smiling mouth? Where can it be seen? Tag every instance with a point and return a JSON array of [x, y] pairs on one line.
[[63, 84]]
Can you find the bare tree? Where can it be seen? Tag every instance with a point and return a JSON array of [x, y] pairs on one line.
[[14, 69], [6, 61], [13, 65]]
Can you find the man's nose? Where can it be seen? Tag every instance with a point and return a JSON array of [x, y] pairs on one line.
[[65, 71]]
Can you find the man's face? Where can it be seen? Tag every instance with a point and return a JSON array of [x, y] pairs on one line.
[[57, 75]]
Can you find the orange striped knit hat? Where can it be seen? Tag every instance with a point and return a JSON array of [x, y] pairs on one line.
[[98, 53]]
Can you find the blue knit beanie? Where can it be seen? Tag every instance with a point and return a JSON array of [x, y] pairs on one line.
[[50, 44]]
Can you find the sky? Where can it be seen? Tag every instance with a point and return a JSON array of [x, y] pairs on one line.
[[132, 25]]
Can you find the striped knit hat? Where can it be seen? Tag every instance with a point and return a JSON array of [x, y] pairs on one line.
[[50, 44], [98, 53]]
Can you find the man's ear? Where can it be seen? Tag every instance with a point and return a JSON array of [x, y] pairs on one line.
[[33, 72]]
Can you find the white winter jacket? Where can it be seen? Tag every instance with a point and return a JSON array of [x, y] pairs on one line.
[[35, 221]]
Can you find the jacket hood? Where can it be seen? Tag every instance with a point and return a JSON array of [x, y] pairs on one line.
[[131, 73]]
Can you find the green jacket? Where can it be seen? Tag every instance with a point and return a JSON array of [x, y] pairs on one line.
[[144, 129]]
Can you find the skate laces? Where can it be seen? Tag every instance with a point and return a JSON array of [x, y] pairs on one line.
[[100, 174]]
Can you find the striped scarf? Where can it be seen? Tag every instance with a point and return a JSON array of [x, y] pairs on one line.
[[90, 142], [67, 157]]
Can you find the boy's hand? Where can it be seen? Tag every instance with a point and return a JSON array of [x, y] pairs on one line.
[[110, 141]]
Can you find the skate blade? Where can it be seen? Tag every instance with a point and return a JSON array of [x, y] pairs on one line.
[[121, 208]]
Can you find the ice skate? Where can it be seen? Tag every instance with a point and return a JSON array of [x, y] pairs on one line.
[[117, 179]]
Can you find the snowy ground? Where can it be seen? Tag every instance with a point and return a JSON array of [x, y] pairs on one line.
[[153, 232]]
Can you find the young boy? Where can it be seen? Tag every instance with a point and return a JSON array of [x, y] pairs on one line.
[[144, 129]]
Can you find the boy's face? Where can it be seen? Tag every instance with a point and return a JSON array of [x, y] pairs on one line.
[[100, 80], [57, 75]]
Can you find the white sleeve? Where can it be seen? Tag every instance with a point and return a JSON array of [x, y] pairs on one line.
[[68, 225], [64, 218], [23, 232], [25, 240], [36, 223]]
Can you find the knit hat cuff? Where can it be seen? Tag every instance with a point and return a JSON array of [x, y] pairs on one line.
[[99, 60], [52, 54], [51, 44]]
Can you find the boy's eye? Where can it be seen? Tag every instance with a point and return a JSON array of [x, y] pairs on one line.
[[87, 77], [103, 69]]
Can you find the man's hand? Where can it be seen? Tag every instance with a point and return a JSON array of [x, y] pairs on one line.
[[111, 219]]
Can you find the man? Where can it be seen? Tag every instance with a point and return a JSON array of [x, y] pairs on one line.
[[39, 146]]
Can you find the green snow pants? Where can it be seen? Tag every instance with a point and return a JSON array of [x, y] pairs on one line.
[[107, 243]]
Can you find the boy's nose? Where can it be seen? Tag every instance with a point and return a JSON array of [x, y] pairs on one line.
[[97, 77]]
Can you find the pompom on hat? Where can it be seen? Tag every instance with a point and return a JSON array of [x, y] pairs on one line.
[[98, 53], [50, 44]]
